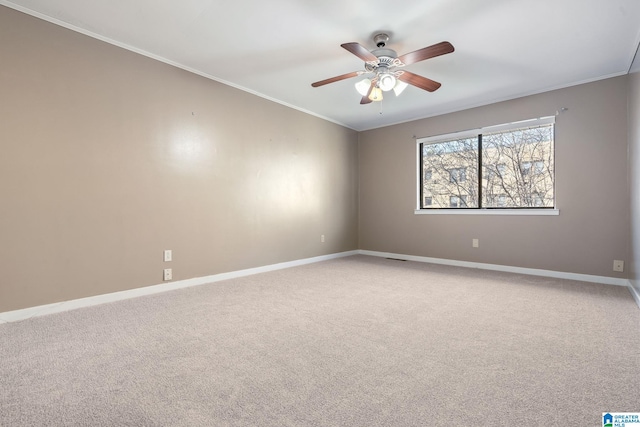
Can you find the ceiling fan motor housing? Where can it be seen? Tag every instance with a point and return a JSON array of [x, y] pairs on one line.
[[383, 53], [386, 57], [384, 69]]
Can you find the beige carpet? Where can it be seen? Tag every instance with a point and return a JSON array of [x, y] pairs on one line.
[[358, 341]]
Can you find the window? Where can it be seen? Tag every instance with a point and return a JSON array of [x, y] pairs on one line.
[[529, 167], [501, 167], [538, 201], [498, 200], [458, 201], [458, 175], [491, 171]]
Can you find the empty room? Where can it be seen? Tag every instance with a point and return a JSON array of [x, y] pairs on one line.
[[298, 213]]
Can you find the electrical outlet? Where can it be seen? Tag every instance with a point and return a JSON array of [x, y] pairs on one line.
[[167, 274], [168, 255], [475, 243], [618, 265], [322, 238]]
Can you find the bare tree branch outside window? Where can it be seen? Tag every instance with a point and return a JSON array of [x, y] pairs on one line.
[[526, 180]]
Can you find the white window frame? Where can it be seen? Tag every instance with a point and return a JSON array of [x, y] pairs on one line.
[[472, 133]]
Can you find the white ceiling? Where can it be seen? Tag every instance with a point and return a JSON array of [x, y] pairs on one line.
[[277, 48]]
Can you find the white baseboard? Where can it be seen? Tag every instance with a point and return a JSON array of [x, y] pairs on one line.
[[521, 270], [634, 291], [26, 313]]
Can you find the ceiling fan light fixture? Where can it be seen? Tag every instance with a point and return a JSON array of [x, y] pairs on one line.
[[386, 81], [382, 66], [399, 87], [363, 86], [376, 94]]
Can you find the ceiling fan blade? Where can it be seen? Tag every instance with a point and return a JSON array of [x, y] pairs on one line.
[[365, 99], [336, 79], [419, 81], [360, 51], [438, 49]]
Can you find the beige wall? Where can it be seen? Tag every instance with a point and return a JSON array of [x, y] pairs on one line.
[[109, 157], [591, 188], [634, 177]]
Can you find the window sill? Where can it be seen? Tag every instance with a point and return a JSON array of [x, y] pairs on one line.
[[530, 212]]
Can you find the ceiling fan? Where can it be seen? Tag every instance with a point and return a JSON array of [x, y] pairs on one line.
[[385, 65]]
